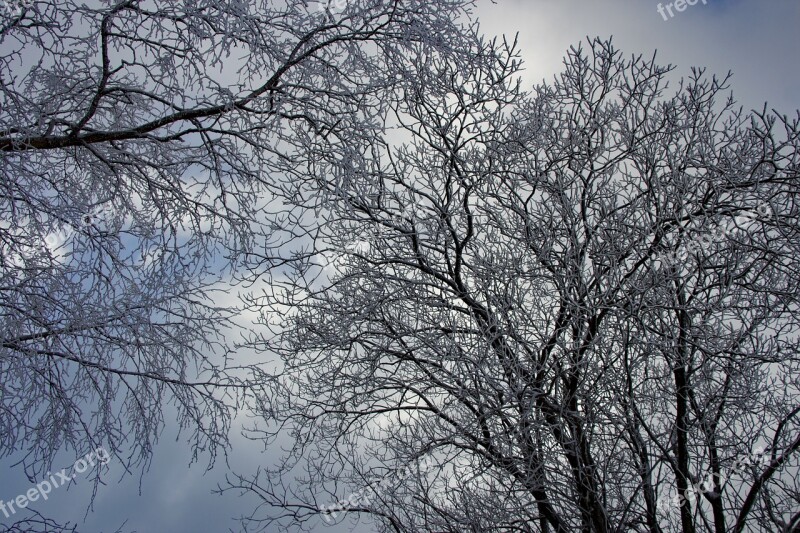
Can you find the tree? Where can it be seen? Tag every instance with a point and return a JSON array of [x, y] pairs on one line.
[[504, 315], [139, 140]]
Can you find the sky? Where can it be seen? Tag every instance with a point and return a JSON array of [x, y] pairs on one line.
[[755, 39]]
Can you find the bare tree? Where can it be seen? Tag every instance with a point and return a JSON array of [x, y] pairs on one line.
[[138, 141], [38, 523], [498, 306]]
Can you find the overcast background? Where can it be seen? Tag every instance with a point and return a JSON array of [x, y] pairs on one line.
[[755, 39]]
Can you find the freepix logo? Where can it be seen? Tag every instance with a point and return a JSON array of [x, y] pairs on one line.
[[678, 5], [53, 244], [11, 8], [714, 482], [44, 488], [332, 5], [716, 233]]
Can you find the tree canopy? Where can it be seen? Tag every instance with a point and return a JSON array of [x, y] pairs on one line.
[[480, 308], [139, 140], [505, 314]]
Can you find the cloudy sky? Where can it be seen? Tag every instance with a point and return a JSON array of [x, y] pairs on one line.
[[755, 39]]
